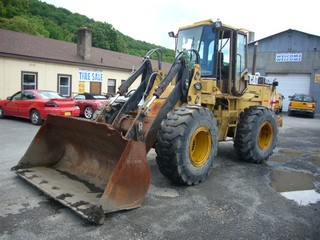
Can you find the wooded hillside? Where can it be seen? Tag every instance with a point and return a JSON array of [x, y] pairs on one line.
[[42, 19]]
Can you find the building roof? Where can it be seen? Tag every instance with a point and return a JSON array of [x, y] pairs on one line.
[[283, 32], [26, 46]]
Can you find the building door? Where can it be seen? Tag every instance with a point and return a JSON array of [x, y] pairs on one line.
[[290, 84], [95, 87]]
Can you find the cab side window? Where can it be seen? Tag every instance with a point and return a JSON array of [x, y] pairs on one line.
[[241, 53]]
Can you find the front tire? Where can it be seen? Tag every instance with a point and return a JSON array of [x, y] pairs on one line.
[[1, 113], [35, 117], [257, 134], [187, 144]]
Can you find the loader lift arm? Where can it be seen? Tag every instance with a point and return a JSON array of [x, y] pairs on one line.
[[109, 111], [182, 74], [145, 69]]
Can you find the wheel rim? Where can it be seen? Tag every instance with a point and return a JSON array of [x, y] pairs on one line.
[[34, 117], [265, 136], [1, 112], [88, 112], [200, 146]]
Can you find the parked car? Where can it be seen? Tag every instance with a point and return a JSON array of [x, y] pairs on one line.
[[37, 104], [89, 103], [302, 104]]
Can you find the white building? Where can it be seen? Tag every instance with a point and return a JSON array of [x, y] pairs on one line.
[[33, 62]]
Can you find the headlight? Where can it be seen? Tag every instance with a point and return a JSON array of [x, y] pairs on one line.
[[198, 86]]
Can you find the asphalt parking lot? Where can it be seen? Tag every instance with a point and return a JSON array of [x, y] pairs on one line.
[[274, 200]]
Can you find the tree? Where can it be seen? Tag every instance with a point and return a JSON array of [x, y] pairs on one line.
[[32, 25]]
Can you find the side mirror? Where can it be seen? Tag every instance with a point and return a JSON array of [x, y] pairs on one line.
[[275, 83], [171, 34], [9, 98]]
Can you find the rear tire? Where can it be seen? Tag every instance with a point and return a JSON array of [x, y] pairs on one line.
[[35, 117], [257, 134], [187, 144]]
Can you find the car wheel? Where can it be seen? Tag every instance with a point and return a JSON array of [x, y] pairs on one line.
[[311, 115], [88, 112], [1, 113], [35, 117]]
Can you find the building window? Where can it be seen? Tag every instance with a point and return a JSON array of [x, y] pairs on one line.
[[111, 86], [29, 80], [64, 85]]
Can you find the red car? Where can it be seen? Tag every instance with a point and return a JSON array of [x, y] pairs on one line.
[[89, 103], [37, 104]]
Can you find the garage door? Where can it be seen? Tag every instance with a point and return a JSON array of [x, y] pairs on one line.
[[290, 84]]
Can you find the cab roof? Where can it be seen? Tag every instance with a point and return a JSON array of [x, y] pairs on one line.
[[210, 22]]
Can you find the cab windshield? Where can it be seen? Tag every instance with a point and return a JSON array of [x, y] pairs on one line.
[[202, 39]]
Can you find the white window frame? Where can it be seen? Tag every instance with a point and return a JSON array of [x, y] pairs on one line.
[[29, 85], [67, 87]]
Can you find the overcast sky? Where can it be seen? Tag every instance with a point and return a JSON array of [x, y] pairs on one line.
[[150, 21]]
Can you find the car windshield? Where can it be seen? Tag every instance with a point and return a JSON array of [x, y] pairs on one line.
[[302, 98], [80, 97], [99, 97], [48, 94]]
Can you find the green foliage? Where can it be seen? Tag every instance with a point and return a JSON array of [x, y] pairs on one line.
[[42, 19], [140, 48], [13, 8], [28, 24], [105, 36]]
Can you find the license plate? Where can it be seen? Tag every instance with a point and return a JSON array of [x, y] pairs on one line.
[[67, 113]]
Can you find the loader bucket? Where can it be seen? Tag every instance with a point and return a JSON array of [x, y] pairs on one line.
[[87, 166]]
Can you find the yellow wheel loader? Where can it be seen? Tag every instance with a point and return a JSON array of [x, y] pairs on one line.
[[100, 166]]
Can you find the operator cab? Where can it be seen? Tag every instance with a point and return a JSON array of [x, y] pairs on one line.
[[222, 50]]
